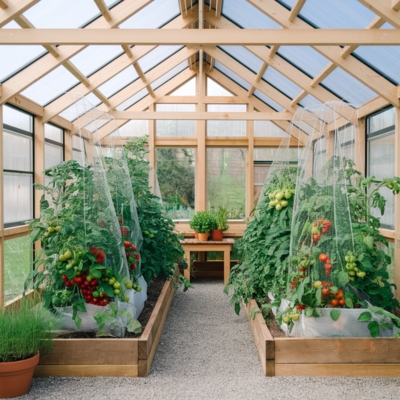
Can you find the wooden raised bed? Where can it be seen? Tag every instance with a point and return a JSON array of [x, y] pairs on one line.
[[109, 357], [323, 357]]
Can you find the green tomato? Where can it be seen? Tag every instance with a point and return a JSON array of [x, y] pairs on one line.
[[353, 259], [273, 203], [361, 274], [317, 284], [351, 273], [138, 288], [284, 203], [294, 317], [111, 281], [61, 258], [279, 196], [117, 291], [50, 229], [57, 228], [286, 320], [288, 194], [129, 285], [278, 207], [46, 234], [67, 255], [151, 235], [351, 278], [347, 259], [116, 285], [95, 294], [349, 267]]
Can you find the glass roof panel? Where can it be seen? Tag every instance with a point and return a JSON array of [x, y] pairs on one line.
[[226, 71], [215, 89], [169, 75], [154, 15], [93, 58], [80, 107], [348, 88], [132, 100], [285, 85], [337, 13], [269, 102], [157, 56], [119, 81], [300, 57], [20, 55], [244, 56], [51, 86], [309, 101], [289, 3], [187, 89], [247, 16], [61, 13]]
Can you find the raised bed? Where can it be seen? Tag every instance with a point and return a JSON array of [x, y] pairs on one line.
[[323, 357], [109, 357]]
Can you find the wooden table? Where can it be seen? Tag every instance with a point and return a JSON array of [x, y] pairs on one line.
[[195, 245]]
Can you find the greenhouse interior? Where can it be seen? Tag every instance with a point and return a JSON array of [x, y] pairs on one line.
[[200, 199]]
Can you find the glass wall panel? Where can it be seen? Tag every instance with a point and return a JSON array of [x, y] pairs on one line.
[[226, 180], [260, 175], [267, 129], [53, 155], [18, 197], [214, 89], [381, 159], [133, 128], [187, 89], [17, 265], [17, 151], [54, 133], [173, 128], [230, 128], [346, 139], [176, 177], [17, 119]]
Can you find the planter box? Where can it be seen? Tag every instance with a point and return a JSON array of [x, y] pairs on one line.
[[323, 356], [109, 357]]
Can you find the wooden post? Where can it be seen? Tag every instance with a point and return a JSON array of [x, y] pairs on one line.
[[250, 165], [39, 162], [67, 145], [152, 152], [360, 145], [397, 207], [1, 212]]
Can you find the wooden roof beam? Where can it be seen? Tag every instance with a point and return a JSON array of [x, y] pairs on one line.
[[14, 9], [396, 5], [102, 6], [296, 9], [384, 9], [107, 72], [322, 75], [354, 67], [3, 4], [298, 98], [120, 13]]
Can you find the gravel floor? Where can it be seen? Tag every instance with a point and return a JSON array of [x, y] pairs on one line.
[[207, 352]]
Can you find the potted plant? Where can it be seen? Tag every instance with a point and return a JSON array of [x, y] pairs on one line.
[[221, 216], [203, 222], [24, 330]]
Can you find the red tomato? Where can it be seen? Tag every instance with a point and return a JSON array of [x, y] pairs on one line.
[[326, 291], [323, 257], [335, 302], [342, 302]]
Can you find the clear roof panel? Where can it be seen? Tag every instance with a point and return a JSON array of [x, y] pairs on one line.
[[187, 89], [51, 86], [247, 16], [348, 88], [157, 56], [226, 71], [119, 81], [289, 3], [154, 15], [244, 56], [269, 102], [93, 58], [62, 13], [80, 107], [337, 13], [132, 100], [169, 75], [285, 85], [214, 89], [309, 101], [20, 55], [300, 57]]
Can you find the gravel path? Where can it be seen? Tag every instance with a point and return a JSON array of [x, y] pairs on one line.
[[207, 352]]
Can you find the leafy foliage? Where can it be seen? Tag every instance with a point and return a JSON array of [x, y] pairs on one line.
[[203, 222]]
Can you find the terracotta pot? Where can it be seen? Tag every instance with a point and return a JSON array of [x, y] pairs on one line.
[[16, 377], [203, 237], [217, 235], [196, 235]]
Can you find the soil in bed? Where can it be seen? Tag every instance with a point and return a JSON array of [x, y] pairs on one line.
[[153, 293]]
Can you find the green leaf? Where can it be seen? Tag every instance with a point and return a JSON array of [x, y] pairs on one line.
[[365, 316], [335, 314], [373, 328], [318, 295], [134, 326], [96, 273], [369, 241], [254, 311], [349, 302], [309, 311], [237, 308], [342, 278]]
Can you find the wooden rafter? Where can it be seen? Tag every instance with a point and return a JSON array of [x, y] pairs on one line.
[[108, 72], [102, 6], [139, 71], [384, 9], [218, 8], [298, 98], [14, 9], [296, 9], [202, 38], [48, 63], [3, 4], [396, 5], [354, 67], [322, 75]]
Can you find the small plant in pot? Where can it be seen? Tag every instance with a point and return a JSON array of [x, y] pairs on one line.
[[221, 216], [24, 330], [203, 222]]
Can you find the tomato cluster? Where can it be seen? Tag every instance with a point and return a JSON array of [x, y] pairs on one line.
[[98, 253], [324, 258], [132, 255], [320, 227], [279, 199]]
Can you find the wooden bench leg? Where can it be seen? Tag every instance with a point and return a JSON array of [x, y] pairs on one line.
[[227, 265], [186, 272]]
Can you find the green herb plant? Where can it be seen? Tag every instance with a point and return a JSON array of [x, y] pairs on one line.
[[204, 222]]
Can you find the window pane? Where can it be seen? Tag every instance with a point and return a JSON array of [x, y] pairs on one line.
[[18, 197], [133, 128], [214, 89], [17, 265], [381, 153], [187, 89], [78, 143], [53, 155], [171, 128], [220, 128], [260, 175], [53, 133], [346, 140], [265, 154], [176, 171], [226, 180], [17, 119], [17, 151], [267, 129], [382, 120]]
